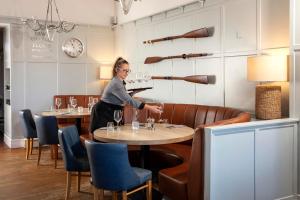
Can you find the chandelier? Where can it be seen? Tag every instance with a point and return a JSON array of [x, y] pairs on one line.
[[126, 5], [47, 29]]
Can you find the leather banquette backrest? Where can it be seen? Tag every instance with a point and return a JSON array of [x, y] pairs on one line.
[[190, 115]]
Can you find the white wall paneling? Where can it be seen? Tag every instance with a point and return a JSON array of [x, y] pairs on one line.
[[240, 27], [274, 162], [184, 92], [212, 94], [236, 83], [41, 85], [296, 20], [255, 160], [17, 98], [93, 85], [274, 23], [17, 47], [75, 84], [40, 69], [231, 180]]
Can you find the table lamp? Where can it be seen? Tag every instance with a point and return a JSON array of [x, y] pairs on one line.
[[267, 68], [105, 73]]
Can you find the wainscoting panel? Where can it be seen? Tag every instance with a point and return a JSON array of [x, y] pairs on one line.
[[41, 85], [240, 25], [255, 160], [274, 162], [184, 92], [92, 79], [297, 22], [211, 94], [75, 84], [236, 83], [274, 29]]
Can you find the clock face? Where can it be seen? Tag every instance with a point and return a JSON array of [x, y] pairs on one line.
[[73, 47]]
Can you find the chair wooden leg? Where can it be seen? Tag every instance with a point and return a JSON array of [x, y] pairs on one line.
[[68, 188], [149, 190], [114, 195], [124, 195], [39, 156], [51, 150], [27, 148], [31, 145], [96, 193], [78, 181], [55, 151], [101, 194]]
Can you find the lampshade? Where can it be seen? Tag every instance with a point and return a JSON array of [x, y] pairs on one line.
[[267, 68], [105, 73]]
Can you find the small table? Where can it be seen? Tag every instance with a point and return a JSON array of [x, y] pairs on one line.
[[65, 114], [163, 134]]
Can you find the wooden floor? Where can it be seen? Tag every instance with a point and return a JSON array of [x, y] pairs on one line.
[[23, 179]]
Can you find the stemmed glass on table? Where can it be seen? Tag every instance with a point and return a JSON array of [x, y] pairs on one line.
[[118, 117], [74, 103], [58, 103]]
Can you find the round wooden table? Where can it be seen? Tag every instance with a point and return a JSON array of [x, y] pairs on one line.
[[162, 134], [65, 114]]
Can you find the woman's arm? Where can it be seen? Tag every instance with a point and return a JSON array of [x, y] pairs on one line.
[[153, 108]]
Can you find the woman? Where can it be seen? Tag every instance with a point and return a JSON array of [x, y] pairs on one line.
[[115, 97]]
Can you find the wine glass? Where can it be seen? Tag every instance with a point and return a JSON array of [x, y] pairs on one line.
[[139, 77], [90, 104], [161, 105], [74, 103], [118, 117], [58, 102], [146, 77]]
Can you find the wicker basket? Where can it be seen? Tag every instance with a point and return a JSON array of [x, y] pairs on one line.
[[268, 102]]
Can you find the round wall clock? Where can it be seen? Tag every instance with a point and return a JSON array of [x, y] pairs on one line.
[[73, 47]]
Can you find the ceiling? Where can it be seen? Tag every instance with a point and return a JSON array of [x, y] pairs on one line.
[[98, 12]]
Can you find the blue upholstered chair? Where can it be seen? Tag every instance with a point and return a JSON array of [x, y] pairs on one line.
[[47, 132], [28, 129], [74, 155], [111, 170]]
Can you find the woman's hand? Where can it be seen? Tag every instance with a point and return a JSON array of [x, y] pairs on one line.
[[154, 108]]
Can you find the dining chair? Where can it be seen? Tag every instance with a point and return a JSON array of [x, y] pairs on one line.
[[28, 129], [74, 155], [111, 170], [47, 132]]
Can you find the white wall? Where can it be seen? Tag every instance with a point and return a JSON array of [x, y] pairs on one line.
[[295, 67], [40, 69], [97, 12], [242, 28]]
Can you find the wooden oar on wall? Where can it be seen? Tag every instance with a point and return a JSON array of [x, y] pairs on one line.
[[156, 59], [199, 33], [201, 79]]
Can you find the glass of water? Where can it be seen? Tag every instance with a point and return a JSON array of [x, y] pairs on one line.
[[110, 127]]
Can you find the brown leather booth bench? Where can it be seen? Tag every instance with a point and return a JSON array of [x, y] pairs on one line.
[[186, 180]]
